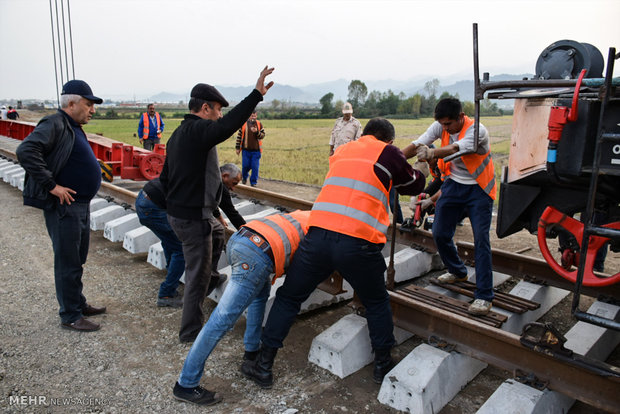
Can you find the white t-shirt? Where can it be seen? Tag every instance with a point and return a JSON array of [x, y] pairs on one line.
[[458, 171]]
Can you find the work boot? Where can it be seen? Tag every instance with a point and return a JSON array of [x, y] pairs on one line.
[[250, 355], [259, 370], [383, 364]]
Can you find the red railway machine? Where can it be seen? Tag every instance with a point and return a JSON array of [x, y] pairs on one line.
[[116, 158], [563, 175]]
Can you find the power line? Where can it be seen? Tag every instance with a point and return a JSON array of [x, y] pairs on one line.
[[61, 65]]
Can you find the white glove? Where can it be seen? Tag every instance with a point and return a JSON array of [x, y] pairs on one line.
[[425, 153], [425, 203], [423, 167]]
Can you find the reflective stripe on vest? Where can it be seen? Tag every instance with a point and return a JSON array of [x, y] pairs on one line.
[[260, 141], [479, 166], [283, 232], [146, 125], [353, 201]]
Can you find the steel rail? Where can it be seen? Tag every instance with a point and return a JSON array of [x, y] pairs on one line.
[[525, 267], [530, 268], [504, 350], [276, 199]]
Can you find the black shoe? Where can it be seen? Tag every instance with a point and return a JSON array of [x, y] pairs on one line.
[[259, 370], [383, 365], [170, 301], [82, 324], [89, 310], [244, 181], [196, 395]]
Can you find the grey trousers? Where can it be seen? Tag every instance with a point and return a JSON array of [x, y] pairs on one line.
[[196, 236]]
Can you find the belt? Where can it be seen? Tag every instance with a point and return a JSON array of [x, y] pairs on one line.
[[257, 239]]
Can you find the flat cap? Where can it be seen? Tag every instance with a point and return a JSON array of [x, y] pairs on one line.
[[208, 93]]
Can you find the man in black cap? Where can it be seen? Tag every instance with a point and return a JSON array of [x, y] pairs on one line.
[[62, 176], [192, 179]]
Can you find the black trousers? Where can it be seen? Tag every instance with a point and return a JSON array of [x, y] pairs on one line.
[[69, 228]]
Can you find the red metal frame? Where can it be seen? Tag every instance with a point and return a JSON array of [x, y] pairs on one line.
[[126, 161], [553, 217]]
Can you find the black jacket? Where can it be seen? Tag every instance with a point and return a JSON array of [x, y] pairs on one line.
[[155, 191], [229, 209], [43, 154], [191, 174]]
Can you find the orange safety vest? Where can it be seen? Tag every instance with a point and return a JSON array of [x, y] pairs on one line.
[[260, 141], [283, 232], [146, 125], [479, 166], [353, 201]]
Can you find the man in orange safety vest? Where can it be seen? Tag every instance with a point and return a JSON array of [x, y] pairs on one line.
[[468, 188], [150, 128]]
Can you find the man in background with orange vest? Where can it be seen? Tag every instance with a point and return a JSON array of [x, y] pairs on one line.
[[250, 141], [259, 249], [150, 128], [468, 188], [347, 229]]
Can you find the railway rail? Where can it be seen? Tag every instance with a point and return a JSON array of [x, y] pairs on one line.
[[593, 382]]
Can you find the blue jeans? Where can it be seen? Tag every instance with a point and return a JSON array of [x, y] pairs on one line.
[[250, 161], [360, 263], [156, 220], [249, 287], [69, 228], [457, 199]]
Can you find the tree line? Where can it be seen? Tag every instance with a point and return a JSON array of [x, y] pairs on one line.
[[390, 104], [365, 105], [369, 105]]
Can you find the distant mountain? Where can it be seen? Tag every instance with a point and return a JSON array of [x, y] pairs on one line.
[[310, 94]]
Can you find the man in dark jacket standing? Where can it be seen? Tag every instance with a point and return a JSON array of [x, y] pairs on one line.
[[151, 209], [62, 176], [191, 176]]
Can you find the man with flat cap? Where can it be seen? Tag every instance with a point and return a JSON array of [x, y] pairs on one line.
[[193, 183], [62, 176]]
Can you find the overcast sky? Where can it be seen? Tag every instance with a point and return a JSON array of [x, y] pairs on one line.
[[139, 48]]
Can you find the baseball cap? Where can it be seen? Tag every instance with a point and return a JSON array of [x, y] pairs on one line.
[[208, 93], [347, 108], [79, 87]]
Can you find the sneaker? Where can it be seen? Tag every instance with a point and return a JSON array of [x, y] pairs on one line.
[[170, 301], [480, 307], [450, 278], [244, 181], [196, 395]]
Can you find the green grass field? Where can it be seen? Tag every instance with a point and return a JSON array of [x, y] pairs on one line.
[[297, 150]]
